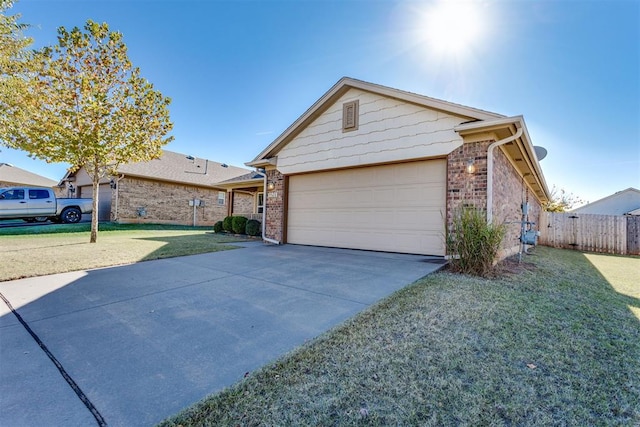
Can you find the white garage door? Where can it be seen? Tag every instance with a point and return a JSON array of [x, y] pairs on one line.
[[393, 208]]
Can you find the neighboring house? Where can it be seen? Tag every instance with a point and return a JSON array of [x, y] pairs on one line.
[[625, 202], [161, 190], [371, 167], [12, 176]]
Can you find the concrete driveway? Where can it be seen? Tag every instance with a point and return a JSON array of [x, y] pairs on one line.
[[132, 345]]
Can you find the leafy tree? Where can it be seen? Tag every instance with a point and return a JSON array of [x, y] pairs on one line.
[[561, 201], [14, 63], [88, 106]]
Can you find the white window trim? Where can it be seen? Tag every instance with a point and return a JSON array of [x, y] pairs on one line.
[[258, 205]]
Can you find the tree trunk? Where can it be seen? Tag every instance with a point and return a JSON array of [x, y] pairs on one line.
[[94, 214]]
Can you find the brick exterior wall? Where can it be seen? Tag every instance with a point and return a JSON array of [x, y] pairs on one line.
[[276, 206], [165, 202], [508, 194], [509, 190], [463, 187], [243, 203]]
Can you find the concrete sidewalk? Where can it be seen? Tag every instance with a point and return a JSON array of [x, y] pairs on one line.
[[146, 340]]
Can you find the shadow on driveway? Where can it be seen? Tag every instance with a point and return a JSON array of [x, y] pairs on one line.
[[146, 340]]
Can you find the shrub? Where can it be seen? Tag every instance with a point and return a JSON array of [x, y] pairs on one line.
[[473, 242], [227, 224], [217, 227], [253, 227], [239, 223]]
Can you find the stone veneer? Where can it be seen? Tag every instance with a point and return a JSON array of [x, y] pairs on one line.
[[165, 202]]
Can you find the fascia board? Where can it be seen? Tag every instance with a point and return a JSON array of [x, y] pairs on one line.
[[241, 184], [490, 125]]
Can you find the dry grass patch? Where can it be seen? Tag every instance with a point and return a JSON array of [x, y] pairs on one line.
[[550, 344], [37, 251]]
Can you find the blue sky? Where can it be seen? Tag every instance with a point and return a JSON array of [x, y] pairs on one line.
[[240, 72]]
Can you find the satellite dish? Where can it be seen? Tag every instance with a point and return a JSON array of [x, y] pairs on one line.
[[541, 152]]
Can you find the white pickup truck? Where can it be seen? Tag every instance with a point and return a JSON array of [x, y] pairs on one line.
[[39, 204]]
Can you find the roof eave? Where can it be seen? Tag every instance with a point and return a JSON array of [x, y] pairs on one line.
[[511, 124], [259, 182]]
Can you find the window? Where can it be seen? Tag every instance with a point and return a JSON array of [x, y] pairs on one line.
[[350, 116], [14, 194], [260, 203], [221, 197], [38, 194]]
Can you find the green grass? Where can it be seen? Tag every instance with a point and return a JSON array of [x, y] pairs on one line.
[[554, 343], [36, 251]]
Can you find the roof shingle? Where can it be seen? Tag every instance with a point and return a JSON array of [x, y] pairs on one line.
[[15, 175], [180, 168]]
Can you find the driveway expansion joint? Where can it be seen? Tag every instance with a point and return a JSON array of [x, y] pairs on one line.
[[74, 386]]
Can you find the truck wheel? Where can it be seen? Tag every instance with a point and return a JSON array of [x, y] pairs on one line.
[[41, 219], [71, 215]]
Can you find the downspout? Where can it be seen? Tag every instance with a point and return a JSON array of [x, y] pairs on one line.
[[264, 211], [506, 140]]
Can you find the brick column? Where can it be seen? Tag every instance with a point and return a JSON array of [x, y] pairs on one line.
[[275, 206]]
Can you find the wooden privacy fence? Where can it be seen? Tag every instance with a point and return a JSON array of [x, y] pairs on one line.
[[593, 233]]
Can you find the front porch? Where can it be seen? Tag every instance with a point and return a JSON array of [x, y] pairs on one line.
[[245, 195]]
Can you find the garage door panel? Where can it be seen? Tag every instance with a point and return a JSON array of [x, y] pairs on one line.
[[395, 208]]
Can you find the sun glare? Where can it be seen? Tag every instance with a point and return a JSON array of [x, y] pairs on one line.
[[452, 27]]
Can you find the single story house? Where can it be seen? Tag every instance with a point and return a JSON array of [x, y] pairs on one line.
[[625, 202], [175, 189], [13, 176], [376, 168]]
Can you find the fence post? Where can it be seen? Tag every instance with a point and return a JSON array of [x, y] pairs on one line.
[[633, 234]]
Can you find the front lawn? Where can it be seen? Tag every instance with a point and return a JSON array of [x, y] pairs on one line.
[[555, 342], [36, 251]]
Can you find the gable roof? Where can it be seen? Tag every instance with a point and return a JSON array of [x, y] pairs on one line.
[[180, 168], [15, 175], [344, 85], [619, 203]]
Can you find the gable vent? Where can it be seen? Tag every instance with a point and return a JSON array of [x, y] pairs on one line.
[[350, 116]]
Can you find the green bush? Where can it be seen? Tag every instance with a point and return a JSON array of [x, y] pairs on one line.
[[227, 224], [253, 227], [218, 227], [473, 243], [239, 223]]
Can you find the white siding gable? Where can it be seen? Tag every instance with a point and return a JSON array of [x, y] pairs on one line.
[[389, 130]]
